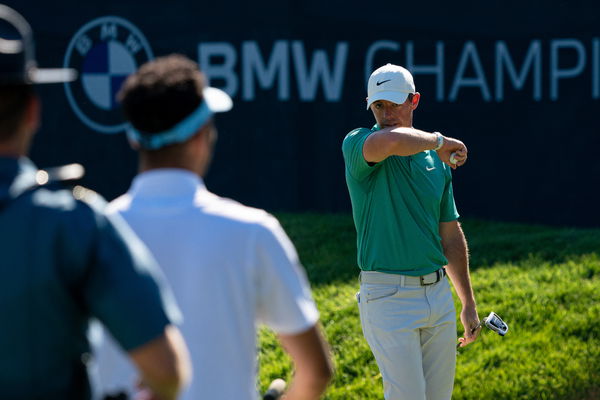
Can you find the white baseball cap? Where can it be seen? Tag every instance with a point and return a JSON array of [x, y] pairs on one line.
[[390, 82]]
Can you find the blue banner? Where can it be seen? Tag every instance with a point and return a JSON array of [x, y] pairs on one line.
[[519, 86]]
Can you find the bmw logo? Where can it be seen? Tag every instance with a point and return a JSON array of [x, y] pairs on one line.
[[104, 51]]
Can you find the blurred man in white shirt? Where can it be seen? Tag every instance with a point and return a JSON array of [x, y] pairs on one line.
[[231, 267]]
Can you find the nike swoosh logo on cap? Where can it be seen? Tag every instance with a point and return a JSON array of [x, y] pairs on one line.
[[382, 82]]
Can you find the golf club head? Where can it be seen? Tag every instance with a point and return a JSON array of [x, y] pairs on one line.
[[495, 323]]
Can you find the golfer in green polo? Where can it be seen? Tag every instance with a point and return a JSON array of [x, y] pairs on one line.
[[409, 238]]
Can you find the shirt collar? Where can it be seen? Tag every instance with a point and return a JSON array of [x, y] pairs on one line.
[[166, 183]]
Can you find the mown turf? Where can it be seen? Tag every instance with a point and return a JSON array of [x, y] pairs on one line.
[[544, 281]]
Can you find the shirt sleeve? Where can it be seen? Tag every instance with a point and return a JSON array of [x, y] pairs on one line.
[[352, 148], [284, 301], [448, 211], [124, 287]]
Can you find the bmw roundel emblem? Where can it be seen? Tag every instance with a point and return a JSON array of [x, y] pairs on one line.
[[104, 51]]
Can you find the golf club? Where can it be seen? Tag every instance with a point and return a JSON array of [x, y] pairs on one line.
[[493, 322]]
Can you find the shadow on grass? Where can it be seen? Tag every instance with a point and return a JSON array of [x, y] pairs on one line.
[[501, 242], [326, 244]]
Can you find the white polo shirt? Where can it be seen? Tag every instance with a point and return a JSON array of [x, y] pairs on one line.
[[230, 267]]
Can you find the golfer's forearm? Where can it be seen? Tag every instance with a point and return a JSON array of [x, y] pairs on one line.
[[459, 274], [397, 142], [457, 253], [409, 141]]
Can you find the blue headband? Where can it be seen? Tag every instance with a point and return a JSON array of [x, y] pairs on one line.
[[177, 134]]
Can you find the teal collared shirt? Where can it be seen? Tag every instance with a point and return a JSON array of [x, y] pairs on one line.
[[62, 262], [397, 205]]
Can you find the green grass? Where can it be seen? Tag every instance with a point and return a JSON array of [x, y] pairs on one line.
[[544, 281]]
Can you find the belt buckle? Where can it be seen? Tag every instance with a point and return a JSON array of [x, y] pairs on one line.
[[437, 279]]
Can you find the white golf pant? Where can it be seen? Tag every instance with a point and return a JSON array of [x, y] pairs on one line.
[[411, 330]]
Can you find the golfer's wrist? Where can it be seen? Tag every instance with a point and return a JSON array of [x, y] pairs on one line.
[[469, 303], [439, 141]]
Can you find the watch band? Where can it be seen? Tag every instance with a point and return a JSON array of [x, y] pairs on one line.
[[440, 141]]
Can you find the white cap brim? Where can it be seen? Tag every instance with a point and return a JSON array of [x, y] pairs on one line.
[[393, 96], [52, 75], [217, 100]]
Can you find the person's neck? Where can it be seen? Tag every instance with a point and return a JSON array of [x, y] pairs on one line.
[[145, 166]]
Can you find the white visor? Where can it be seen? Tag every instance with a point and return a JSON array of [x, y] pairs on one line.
[[217, 100]]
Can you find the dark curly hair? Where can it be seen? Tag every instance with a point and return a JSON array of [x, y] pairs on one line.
[[162, 93]]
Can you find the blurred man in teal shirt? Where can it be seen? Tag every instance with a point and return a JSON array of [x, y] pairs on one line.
[[63, 261]]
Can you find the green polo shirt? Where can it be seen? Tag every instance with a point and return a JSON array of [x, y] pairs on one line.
[[397, 205]]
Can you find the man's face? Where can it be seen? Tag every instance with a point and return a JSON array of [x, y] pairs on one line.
[[388, 114]]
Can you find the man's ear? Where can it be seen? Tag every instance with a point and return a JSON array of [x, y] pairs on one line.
[[415, 100], [206, 136]]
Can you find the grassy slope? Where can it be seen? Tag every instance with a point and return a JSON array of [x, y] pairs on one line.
[[544, 281]]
